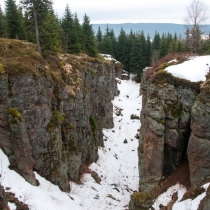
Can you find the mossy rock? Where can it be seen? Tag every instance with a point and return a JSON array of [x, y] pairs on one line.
[[162, 76], [74, 147], [174, 110], [15, 115], [141, 201], [56, 119]]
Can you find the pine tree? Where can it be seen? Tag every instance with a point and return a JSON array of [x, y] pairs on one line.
[[107, 31], [123, 49], [49, 34], [2, 24], [89, 44], [113, 41], [14, 26], [155, 47], [67, 26], [77, 31], [99, 37], [137, 55], [163, 47], [106, 45], [148, 51], [37, 11]]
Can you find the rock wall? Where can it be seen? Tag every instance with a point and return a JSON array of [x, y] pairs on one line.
[[174, 127], [52, 111], [199, 144]]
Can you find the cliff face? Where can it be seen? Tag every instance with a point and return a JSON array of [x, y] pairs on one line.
[[174, 127], [52, 111], [199, 144]]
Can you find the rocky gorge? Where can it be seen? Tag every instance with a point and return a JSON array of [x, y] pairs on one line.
[[174, 129], [52, 110]]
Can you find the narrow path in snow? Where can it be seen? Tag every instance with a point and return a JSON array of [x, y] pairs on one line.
[[118, 160]]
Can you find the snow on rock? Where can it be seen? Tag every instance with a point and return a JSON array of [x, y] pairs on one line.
[[109, 57], [117, 167], [194, 69], [166, 197], [188, 204]]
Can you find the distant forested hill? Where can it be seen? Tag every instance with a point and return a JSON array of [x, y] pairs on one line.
[[149, 28]]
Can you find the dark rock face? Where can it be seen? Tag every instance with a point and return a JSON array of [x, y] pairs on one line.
[[199, 143], [165, 127], [55, 133]]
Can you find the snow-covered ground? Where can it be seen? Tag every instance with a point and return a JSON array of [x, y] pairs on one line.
[[117, 167]]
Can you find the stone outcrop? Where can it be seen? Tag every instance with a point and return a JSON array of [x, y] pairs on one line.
[[165, 125], [52, 111], [141, 201], [199, 144], [175, 126]]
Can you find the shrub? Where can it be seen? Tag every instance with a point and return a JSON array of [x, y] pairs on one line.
[[56, 119], [58, 116], [93, 124]]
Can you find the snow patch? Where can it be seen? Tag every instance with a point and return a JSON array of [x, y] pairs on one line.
[[194, 70]]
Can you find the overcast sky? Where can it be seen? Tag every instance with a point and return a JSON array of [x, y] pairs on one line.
[[126, 11]]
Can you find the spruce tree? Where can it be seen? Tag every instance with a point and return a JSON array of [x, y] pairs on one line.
[[135, 55], [99, 37], [37, 11], [155, 47], [67, 26], [89, 44], [77, 31], [163, 47], [123, 49], [14, 26], [106, 45], [113, 40], [49, 34], [148, 51], [3, 28]]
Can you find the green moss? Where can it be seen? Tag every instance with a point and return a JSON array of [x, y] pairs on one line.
[[73, 147], [141, 200], [162, 76], [56, 119], [159, 120], [141, 197], [2, 71], [15, 115], [174, 109], [36, 75], [93, 124], [58, 116]]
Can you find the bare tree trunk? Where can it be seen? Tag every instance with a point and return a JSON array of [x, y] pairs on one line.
[[36, 29]]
